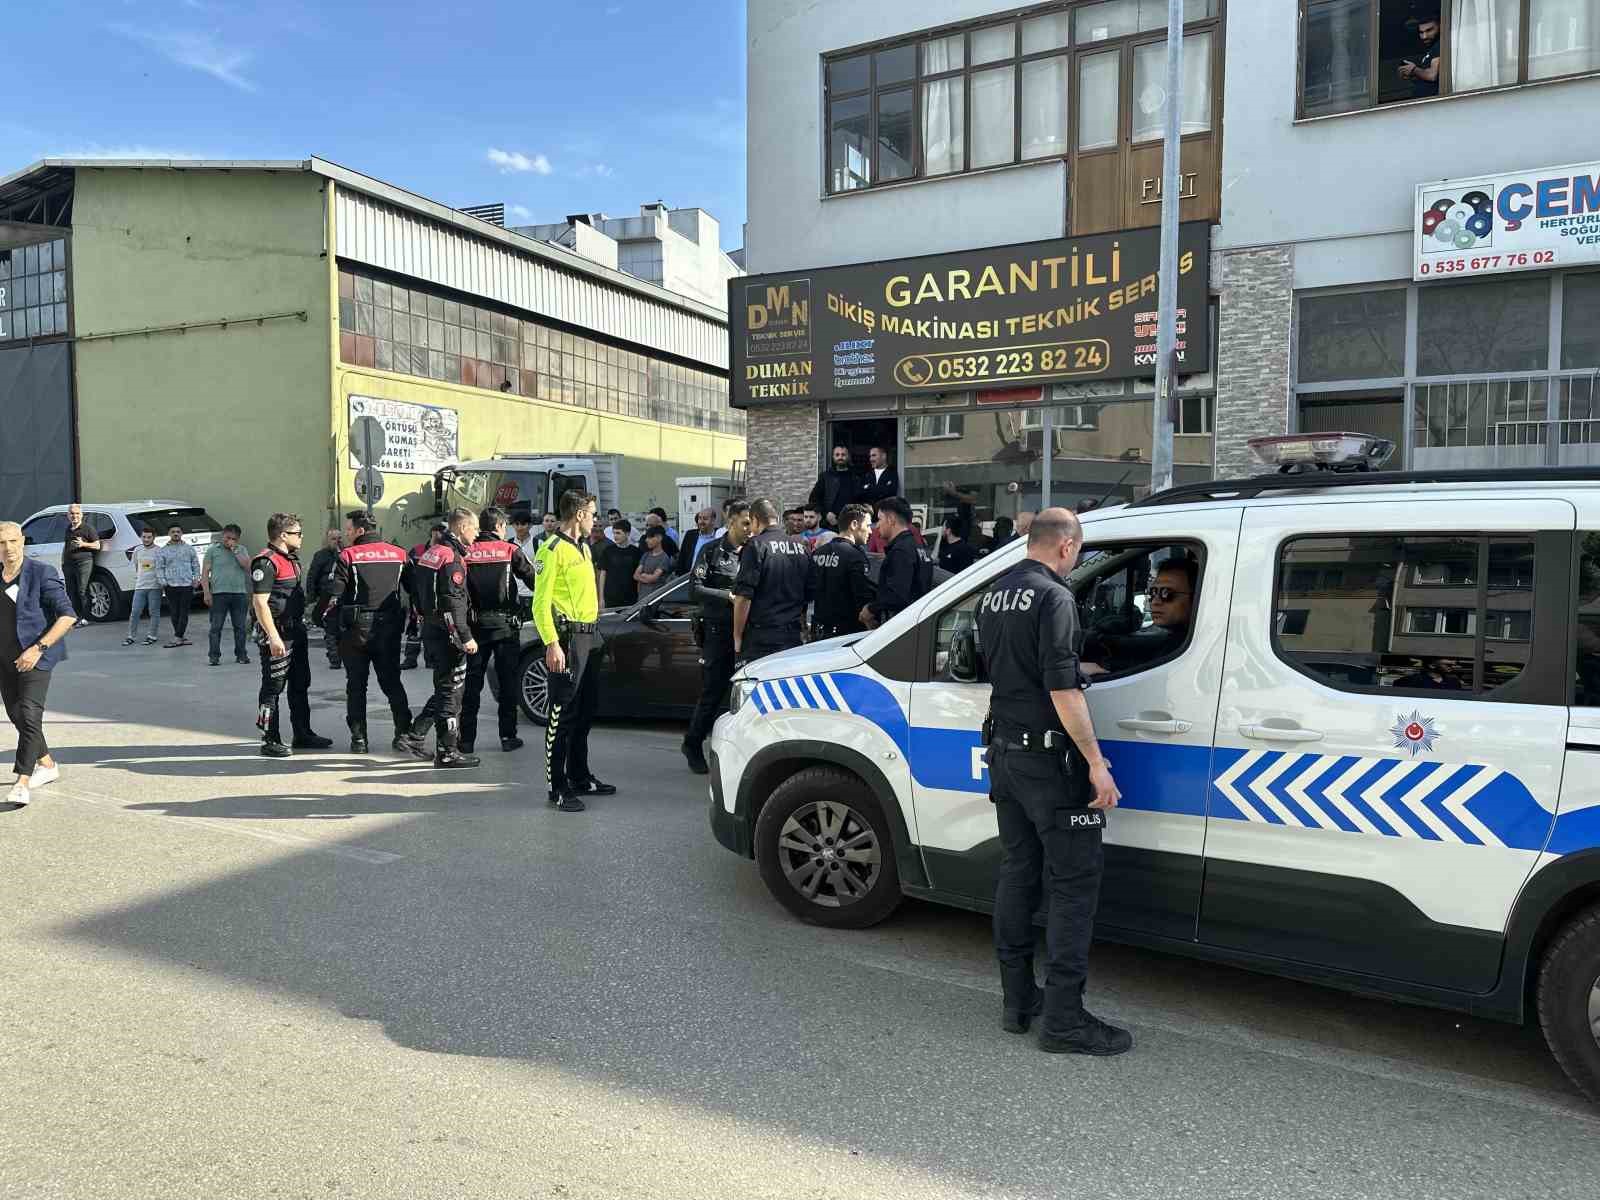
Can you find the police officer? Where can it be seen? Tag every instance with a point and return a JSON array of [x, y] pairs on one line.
[[564, 609], [839, 580], [278, 598], [715, 573], [371, 589], [770, 595], [414, 617], [904, 575], [319, 593], [494, 567], [441, 588], [1050, 787]]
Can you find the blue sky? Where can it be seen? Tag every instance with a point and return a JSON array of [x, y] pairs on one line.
[[552, 108]]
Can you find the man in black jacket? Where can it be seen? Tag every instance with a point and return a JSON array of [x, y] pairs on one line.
[[880, 482], [494, 568], [319, 593], [714, 576], [835, 488], [770, 595], [840, 586], [904, 576], [955, 552], [696, 541]]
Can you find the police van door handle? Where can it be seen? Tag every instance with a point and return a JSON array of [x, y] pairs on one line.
[[1267, 731], [1154, 723]]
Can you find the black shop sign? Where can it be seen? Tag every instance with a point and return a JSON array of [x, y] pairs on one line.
[[1064, 309]]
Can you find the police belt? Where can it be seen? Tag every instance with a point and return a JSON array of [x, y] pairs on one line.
[[565, 626], [1032, 741]]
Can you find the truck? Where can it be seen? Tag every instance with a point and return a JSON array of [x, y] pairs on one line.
[[529, 481]]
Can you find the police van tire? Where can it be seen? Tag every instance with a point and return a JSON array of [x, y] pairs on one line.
[[818, 810], [1569, 1000]]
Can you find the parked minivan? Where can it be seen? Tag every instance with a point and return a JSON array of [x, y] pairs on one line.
[[1368, 760]]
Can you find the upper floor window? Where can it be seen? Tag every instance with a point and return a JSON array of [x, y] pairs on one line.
[[998, 93], [1364, 53]]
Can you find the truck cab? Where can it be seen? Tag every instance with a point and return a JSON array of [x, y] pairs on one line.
[[527, 482]]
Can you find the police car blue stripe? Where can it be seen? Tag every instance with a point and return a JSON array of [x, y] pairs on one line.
[[799, 697], [759, 700]]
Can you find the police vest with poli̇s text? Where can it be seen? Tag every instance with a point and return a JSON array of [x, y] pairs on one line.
[[493, 568], [775, 574], [441, 588], [371, 581]]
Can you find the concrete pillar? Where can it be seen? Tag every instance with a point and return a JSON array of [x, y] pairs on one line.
[[781, 455], [1255, 314]]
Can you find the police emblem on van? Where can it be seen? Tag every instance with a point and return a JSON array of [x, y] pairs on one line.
[[1414, 733]]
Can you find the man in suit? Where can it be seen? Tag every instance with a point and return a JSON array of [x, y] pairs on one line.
[[35, 615], [696, 540], [880, 482]]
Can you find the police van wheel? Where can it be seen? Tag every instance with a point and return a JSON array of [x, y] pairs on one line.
[[1569, 1000], [533, 686], [825, 850]]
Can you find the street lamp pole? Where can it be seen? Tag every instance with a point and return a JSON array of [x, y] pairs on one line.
[[1165, 409]]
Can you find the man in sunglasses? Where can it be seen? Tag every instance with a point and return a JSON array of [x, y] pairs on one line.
[[278, 597], [1171, 599]]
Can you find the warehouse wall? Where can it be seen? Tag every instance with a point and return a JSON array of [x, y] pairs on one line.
[[234, 419]]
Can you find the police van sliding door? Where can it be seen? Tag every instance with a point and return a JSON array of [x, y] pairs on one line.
[[1154, 711], [1391, 732]]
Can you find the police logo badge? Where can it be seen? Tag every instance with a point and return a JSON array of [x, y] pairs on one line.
[[1414, 733], [258, 574], [538, 566]]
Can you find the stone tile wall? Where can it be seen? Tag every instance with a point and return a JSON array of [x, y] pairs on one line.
[[1255, 313]]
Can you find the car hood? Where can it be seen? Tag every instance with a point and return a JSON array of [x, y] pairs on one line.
[[835, 654]]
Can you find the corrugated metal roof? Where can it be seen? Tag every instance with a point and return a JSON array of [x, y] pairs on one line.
[[394, 229]]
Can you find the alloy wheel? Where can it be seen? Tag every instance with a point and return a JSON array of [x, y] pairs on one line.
[[829, 853], [1594, 1011], [101, 601], [536, 688]]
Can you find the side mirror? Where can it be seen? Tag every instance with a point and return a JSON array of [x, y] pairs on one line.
[[965, 665]]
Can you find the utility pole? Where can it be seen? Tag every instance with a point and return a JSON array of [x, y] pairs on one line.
[[1164, 408]]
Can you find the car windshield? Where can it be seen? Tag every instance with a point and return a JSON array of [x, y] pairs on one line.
[[190, 520]]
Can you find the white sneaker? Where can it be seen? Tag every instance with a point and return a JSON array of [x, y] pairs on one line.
[[44, 775], [18, 794]]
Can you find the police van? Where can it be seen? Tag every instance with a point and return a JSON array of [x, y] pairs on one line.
[[1363, 751]]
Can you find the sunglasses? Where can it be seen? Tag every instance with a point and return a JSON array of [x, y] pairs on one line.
[[294, 533], [1165, 594]]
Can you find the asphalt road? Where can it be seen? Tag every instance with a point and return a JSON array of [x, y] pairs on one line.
[[339, 976]]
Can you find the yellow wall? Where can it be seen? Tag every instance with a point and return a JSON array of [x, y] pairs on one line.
[[494, 423]]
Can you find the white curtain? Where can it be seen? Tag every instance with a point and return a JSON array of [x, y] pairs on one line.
[[943, 112], [1563, 38], [993, 117], [1044, 107], [1483, 43], [1097, 100], [1150, 88]]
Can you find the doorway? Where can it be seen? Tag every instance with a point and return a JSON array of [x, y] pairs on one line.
[[860, 436]]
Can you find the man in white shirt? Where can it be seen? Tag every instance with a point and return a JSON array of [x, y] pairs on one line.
[[880, 481]]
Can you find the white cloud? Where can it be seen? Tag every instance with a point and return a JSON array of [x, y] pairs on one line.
[[514, 162], [521, 212], [596, 170], [196, 50]]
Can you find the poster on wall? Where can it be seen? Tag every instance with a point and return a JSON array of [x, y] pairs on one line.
[[403, 439], [1041, 312], [1494, 224]]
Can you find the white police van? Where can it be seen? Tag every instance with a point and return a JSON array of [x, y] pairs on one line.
[[1367, 758]]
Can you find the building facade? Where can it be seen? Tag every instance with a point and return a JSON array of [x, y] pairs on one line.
[[880, 135], [214, 329]]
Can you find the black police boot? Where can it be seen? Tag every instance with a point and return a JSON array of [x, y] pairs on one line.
[[695, 757], [1022, 998], [511, 743], [358, 740], [448, 758], [413, 742], [593, 787], [310, 741], [1090, 1035], [565, 801], [271, 748]]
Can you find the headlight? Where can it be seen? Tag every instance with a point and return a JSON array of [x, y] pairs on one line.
[[740, 693]]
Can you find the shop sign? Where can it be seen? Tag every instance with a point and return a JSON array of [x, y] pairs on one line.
[[1069, 308], [405, 439], [1495, 224]]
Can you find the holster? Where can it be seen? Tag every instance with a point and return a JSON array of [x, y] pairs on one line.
[[697, 629], [986, 730]]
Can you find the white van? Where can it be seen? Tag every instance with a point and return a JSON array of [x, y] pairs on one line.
[[1368, 760]]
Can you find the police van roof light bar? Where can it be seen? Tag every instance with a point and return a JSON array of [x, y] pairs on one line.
[[1308, 452]]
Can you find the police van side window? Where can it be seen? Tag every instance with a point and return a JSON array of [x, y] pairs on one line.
[[1409, 613], [1586, 681], [1136, 604], [958, 622]]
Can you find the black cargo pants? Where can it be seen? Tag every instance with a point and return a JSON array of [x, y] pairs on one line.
[[449, 682], [716, 670], [376, 648], [292, 671], [498, 651]]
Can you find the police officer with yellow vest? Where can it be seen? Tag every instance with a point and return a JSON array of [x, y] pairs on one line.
[[1050, 787], [564, 610]]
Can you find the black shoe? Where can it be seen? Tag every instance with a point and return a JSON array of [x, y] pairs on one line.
[[566, 802], [696, 758], [242, 659], [1017, 1020], [1090, 1036], [214, 661], [275, 750], [310, 741], [454, 759], [413, 744], [593, 787], [511, 743], [410, 664], [358, 745]]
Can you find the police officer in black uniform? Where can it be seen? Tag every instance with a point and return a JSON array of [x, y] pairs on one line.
[[278, 597], [839, 580], [1050, 787], [371, 592], [494, 564], [442, 597], [772, 590], [414, 617], [904, 575], [715, 572]]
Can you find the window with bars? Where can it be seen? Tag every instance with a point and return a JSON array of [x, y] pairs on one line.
[[998, 93], [33, 291]]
